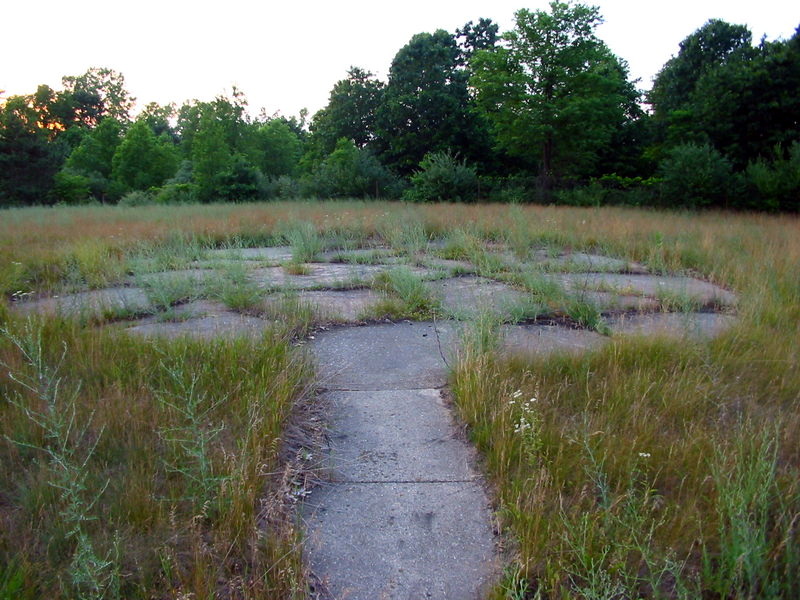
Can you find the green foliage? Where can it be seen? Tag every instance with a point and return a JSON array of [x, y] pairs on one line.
[[554, 94], [71, 188], [177, 193], [443, 177], [350, 112], [211, 156], [351, 172], [96, 150], [775, 185], [137, 198], [142, 160], [426, 106], [29, 160], [240, 182], [699, 53], [106, 88], [278, 149], [696, 176]]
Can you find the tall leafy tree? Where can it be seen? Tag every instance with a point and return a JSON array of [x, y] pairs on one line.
[[278, 148], [708, 47], [554, 92], [350, 112], [96, 150], [30, 154], [142, 160], [426, 106], [211, 155], [476, 36], [749, 103], [97, 93]]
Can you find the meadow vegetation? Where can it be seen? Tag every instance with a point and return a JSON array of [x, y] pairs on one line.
[[649, 468]]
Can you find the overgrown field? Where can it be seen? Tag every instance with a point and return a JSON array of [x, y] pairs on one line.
[[650, 468]]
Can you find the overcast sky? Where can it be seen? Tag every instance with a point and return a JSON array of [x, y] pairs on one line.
[[287, 55]]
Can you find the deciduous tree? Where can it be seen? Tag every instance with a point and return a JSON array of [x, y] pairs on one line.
[[554, 93]]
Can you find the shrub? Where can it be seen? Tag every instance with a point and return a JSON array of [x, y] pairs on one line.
[[350, 172], [136, 198], [696, 176], [241, 182], [775, 185], [177, 193], [443, 177], [71, 188]]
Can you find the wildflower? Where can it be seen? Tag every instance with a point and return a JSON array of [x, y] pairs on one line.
[[516, 394], [644, 454]]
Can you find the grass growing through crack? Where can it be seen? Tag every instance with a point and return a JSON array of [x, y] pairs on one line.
[[305, 241], [408, 296]]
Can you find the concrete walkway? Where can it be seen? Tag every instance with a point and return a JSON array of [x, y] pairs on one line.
[[404, 514]]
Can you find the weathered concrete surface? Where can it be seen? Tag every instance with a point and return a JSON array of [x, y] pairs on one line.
[[395, 435], [88, 303], [164, 277], [344, 305], [322, 275], [271, 254], [649, 285], [401, 541], [542, 340], [223, 324], [385, 356], [359, 255], [405, 515], [575, 261], [449, 265], [693, 325], [609, 301], [465, 297]]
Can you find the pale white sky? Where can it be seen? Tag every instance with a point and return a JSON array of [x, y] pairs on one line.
[[287, 55]]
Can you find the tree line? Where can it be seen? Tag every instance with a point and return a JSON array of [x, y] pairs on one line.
[[544, 112]]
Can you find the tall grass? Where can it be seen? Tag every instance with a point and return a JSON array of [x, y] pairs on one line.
[[134, 469]]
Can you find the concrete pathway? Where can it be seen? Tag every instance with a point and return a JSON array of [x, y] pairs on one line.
[[404, 515]]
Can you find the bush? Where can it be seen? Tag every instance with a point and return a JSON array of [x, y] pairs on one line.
[[349, 172], [136, 198], [589, 195], [177, 193], [241, 182], [696, 176], [775, 185], [71, 188], [443, 177]]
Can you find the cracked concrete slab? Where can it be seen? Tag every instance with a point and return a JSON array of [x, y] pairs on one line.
[[94, 302], [401, 540], [656, 286], [466, 297], [223, 324], [340, 305], [574, 261], [694, 324], [395, 435], [267, 253], [165, 277], [384, 356], [542, 340], [609, 301], [324, 275]]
